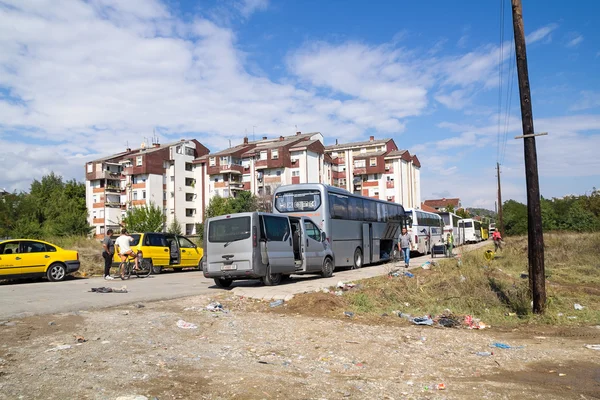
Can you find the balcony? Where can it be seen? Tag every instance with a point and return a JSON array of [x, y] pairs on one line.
[[225, 169], [236, 185], [138, 202], [98, 220], [98, 205], [272, 179], [141, 185], [389, 184], [260, 164], [370, 184], [360, 171], [90, 176], [338, 174], [113, 189], [113, 204]]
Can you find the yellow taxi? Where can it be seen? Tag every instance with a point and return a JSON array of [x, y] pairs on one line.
[[28, 258], [164, 250]]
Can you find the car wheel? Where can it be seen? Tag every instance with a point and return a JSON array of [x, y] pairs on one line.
[[357, 258], [223, 283], [271, 279], [56, 272], [156, 270], [327, 270]]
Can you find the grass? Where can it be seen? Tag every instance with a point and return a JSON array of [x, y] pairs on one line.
[[494, 291]]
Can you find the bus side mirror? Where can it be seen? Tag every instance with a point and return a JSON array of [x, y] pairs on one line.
[[323, 237]]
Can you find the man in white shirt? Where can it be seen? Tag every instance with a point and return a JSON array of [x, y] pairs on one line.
[[123, 243]]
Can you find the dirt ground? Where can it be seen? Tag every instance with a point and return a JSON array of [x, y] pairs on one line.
[[294, 351]]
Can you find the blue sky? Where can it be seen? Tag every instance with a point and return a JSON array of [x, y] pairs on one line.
[[87, 78]]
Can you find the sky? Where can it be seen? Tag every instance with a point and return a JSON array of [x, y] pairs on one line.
[[84, 79]]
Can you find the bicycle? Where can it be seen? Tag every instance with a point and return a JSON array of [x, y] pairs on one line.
[[128, 266]]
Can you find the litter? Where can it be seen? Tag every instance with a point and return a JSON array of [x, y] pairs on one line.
[[425, 320], [441, 386], [448, 322], [578, 306], [505, 346], [410, 275], [109, 290], [80, 339], [186, 325], [592, 346], [60, 347], [215, 306], [473, 323], [345, 285], [426, 265], [276, 303], [484, 353], [349, 314]]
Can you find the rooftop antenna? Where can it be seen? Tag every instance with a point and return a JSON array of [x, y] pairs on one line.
[[229, 143]]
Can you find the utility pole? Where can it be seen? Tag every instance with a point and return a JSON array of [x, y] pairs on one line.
[[537, 279], [500, 220]]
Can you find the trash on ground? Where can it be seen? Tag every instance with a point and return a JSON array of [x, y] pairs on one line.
[[524, 276], [109, 290], [349, 314], [426, 265], [276, 303], [410, 275], [562, 374], [504, 346], [215, 306], [448, 322], [425, 320], [339, 293], [345, 285], [474, 323], [592, 346], [397, 273], [578, 306], [139, 305], [441, 386], [484, 353], [186, 325], [60, 347], [80, 339], [51, 323]]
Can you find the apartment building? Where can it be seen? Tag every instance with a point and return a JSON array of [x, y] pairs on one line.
[[263, 165], [159, 174], [376, 168], [442, 205]]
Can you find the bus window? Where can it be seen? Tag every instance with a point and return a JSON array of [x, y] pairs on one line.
[[381, 212], [355, 208], [338, 206], [370, 208]]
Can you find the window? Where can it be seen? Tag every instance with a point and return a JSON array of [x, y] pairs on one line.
[[299, 200], [164, 195], [211, 162], [189, 166], [230, 229], [295, 173], [372, 162], [90, 168], [185, 243], [355, 208], [35, 247], [143, 194], [312, 231], [278, 173], [381, 212], [224, 160], [9, 248], [359, 164], [190, 151], [95, 199], [263, 155], [274, 154], [138, 161], [277, 228], [155, 239], [338, 206], [370, 210], [135, 195]]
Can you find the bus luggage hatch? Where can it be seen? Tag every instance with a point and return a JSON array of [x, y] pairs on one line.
[[367, 234]]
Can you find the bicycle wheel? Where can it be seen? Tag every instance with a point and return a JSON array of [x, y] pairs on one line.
[[145, 269], [126, 271]]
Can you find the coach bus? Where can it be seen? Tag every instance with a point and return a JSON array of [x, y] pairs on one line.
[[470, 230], [361, 230], [425, 228], [451, 226]]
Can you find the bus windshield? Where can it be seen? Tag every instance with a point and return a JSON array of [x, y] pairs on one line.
[[299, 200]]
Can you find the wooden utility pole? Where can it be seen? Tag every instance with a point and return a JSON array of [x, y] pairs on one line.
[[537, 282], [500, 220]]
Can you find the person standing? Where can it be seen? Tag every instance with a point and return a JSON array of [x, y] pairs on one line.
[[497, 240], [108, 250], [405, 243], [449, 244]]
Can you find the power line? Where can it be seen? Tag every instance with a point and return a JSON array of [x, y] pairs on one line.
[[511, 75], [500, 76]]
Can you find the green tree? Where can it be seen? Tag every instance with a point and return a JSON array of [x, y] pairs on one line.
[[549, 222], [580, 219], [244, 202], [461, 212], [148, 218], [450, 208], [174, 227], [515, 218]]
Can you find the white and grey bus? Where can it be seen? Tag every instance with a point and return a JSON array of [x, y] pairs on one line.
[[361, 230], [425, 228], [451, 226], [470, 230]]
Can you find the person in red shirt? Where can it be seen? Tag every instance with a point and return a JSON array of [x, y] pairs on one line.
[[497, 240]]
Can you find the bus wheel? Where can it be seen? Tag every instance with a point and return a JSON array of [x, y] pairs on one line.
[[327, 270], [271, 279], [357, 258]]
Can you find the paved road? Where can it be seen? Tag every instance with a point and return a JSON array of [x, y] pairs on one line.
[[20, 299]]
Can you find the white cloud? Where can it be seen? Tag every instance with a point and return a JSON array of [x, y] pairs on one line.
[[248, 7], [574, 39], [589, 99], [540, 33]]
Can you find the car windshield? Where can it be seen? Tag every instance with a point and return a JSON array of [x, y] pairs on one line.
[[229, 229]]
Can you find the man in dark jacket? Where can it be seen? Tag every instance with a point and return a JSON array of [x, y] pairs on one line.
[[108, 250]]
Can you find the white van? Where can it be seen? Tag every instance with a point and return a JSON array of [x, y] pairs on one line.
[[265, 246]]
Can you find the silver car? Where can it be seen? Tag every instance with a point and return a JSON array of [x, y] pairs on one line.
[[266, 246]]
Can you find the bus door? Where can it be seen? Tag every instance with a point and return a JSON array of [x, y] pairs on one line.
[[367, 239]]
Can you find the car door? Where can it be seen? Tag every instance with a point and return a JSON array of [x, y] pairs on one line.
[[156, 248], [9, 252], [311, 243], [278, 233], [189, 253], [35, 257]]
